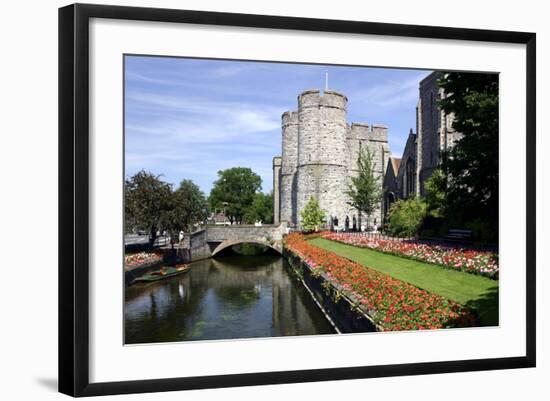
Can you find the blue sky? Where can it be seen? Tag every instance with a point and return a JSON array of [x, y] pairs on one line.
[[189, 118]]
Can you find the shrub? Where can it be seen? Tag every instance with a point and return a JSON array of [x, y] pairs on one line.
[[482, 231], [436, 196], [427, 234], [433, 227], [312, 216], [406, 216]]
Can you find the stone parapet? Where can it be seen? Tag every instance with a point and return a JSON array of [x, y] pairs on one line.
[[359, 131], [334, 99], [379, 133]]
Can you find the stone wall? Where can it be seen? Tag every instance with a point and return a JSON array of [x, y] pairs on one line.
[[322, 151], [435, 132], [277, 161], [406, 177], [198, 247], [221, 237], [430, 124], [289, 165], [245, 233], [340, 310], [419, 138], [390, 185]]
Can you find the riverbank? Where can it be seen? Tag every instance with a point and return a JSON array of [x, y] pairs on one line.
[[390, 303], [476, 292], [338, 307]]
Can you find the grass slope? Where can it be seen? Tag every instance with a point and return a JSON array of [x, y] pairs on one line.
[[476, 292]]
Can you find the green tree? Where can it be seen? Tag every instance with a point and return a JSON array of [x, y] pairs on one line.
[[312, 215], [261, 209], [472, 164], [146, 201], [187, 207], [234, 191], [364, 190], [406, 216], [436, 193]]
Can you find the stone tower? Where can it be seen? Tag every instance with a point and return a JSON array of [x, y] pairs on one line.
[[289, 166], [434, 130], [277, 162], [375, 138], [319, 155], [322, 153]]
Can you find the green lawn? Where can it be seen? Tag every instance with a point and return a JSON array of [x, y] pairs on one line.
[[476, 292]]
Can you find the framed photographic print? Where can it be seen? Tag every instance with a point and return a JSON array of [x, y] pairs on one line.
[[296, 199]]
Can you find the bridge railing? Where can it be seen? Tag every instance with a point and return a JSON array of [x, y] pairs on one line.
[[245, 232]]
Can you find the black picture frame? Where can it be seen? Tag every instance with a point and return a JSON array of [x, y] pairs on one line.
[[74, 198]]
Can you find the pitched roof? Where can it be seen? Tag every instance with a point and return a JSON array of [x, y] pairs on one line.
[[395, 163]]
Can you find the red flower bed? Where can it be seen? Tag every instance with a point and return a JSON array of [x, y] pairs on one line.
[[391, 303], [455, 258], [140, 258]]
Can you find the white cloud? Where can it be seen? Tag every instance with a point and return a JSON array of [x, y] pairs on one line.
[[192, 137], [390, 93], [231, 70], [134, 76], [207, 107]]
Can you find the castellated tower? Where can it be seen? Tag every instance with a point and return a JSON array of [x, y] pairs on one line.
[[288, 181], [322, 158], [375, 138], [319, 155]]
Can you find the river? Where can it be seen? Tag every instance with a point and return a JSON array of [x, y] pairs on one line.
[[227, 297]]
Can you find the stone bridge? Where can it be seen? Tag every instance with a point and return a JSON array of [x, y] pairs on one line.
[[221, 237]]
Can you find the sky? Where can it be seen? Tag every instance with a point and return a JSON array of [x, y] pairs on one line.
[[189, 118]]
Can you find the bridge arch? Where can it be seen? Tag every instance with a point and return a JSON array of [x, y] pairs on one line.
[[229, 243]]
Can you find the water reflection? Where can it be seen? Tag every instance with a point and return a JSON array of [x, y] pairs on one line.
[[229, 297]]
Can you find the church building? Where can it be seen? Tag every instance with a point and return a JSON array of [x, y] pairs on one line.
[[422, 153]]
